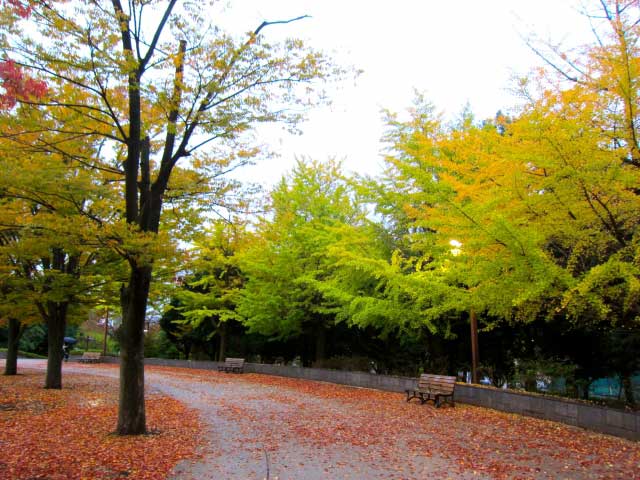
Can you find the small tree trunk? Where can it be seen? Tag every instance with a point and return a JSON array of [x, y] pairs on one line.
[[222, 354], [475, 356], [11, 366], [629, 397], [131, 412], [57, 316], [321, 343], [585, 389], [530, 383]]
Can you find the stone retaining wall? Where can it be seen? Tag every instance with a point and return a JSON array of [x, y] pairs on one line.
[[572, 412]]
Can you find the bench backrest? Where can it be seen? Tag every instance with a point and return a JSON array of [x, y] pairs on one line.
[[234, 362], [92, 355], [442, 384]]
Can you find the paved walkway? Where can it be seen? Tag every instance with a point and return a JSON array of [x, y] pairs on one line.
[[261, 427]]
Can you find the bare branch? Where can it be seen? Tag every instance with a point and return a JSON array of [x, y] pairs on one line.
[[156, 36], [276, 22]]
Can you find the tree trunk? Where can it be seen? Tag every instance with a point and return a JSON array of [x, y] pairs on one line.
[[11, 366], [475, 355], [627, 385], [321, 343], [586, 385], [131, 412], [57, 319], [223, 342]]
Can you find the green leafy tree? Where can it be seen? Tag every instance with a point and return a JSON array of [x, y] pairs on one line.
[[288, 265], [208, 299]]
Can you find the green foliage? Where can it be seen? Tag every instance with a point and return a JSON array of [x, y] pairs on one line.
[[200, 310], [157, 345], [289, 265], [34, 339], [136, 88]]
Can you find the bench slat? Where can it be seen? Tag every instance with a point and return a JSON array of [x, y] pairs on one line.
[[232, 365], [90, 357], [433, 387]]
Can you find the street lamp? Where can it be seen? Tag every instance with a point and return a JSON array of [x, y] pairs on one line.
[[455, 247]]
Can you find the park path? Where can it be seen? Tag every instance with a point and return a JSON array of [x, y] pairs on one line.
[[261, 427], [240, 444], [247, 440]]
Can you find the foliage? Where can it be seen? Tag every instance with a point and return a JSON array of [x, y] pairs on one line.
[[183, 339], [51, 262], [202, 308], [34, 339], [158, 345], [529, 219], [544, 205], [289, 263], [17, 86]]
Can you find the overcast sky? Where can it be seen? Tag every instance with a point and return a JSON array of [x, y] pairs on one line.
[[454, 52]]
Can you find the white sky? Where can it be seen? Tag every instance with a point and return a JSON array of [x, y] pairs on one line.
[[454, 52]]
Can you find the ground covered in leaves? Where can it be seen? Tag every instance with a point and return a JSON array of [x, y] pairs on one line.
[[265, 427], [68, 434], [337, 429], [471, 439]]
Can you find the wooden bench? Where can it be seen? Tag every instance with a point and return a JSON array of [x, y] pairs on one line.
[[234, 365], [90, 357], [437, 388]]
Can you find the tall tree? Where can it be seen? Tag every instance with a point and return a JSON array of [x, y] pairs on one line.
[[158, 83], [546, 205], [15, 319], [16, 85], [288, 265], [208, 299], [51, 258]]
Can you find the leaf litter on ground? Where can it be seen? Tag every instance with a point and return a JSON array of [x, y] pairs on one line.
[[69, 433]]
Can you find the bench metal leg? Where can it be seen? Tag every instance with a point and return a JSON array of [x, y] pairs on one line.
[[411, 394]]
